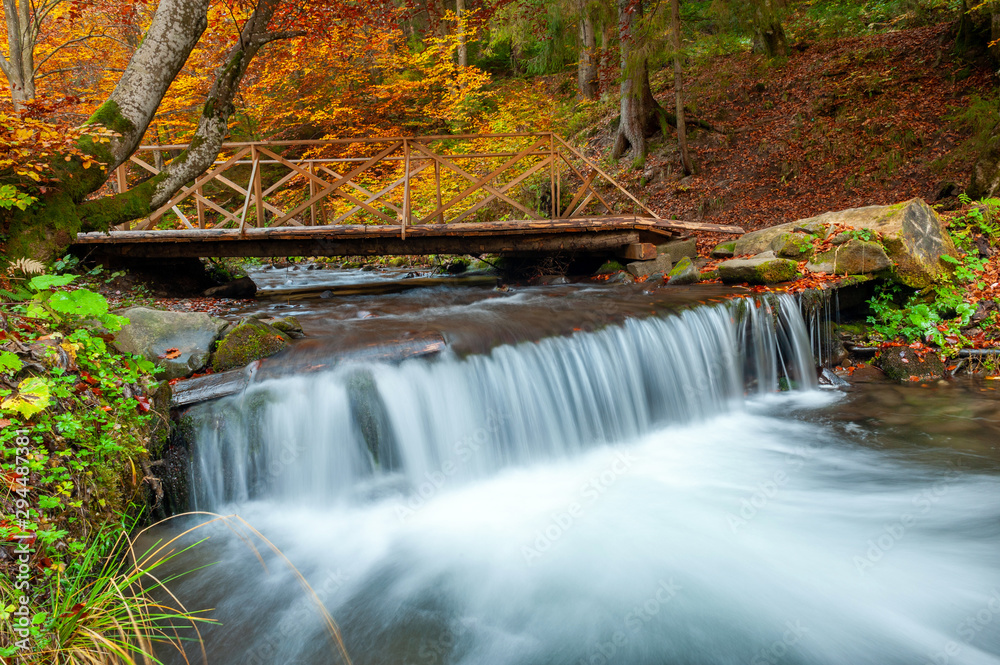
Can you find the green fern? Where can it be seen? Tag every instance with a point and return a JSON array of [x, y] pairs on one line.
[[19, 294]]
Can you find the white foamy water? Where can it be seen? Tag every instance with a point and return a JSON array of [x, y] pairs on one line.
[[611, 497]]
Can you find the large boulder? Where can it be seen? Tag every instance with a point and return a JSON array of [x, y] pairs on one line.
[[678, 249], [180, 342], [661, 263], [758, 270], [912, 236], [854, 257], [248, 341]]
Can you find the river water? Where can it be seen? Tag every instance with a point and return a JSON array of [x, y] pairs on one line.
[[594, 474]]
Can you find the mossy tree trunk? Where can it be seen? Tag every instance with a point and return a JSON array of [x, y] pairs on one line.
[[45, 229], [986, 171], [769, 35], [640, 112], [587, 74]]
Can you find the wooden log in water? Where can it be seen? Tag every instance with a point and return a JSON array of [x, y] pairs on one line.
[[213, 386]]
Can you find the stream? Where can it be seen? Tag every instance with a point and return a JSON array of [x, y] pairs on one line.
[[590, 474]]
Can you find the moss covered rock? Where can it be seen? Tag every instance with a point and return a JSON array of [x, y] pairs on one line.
[[609, 267], [854, 257], [913, 237], [684, 273], [758, 271], [724, 250], [250, 340], [900, 363], [795, 245], [179, 342]]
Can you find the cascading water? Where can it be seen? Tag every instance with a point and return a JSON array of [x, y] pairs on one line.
[[315, 437], [639, 495]]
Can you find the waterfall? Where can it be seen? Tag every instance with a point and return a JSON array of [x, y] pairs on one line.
[[365, 426]]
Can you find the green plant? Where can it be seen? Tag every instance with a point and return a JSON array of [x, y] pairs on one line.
[[77, 304], [10, 197]]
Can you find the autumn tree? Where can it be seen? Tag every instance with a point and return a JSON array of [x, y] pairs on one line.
[[174, 31]]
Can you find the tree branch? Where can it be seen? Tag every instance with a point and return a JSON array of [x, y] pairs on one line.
[[38, 67], [268, 37]]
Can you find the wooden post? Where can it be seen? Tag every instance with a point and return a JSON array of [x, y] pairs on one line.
[[198, 197], [257, 190], [312, 193], [552, 177], [406, 187], [122, 178], [437, 180]]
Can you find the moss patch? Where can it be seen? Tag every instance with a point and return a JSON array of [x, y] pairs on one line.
[[249, 341]]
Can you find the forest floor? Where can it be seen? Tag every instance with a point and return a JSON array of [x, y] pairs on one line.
[[841, 123]]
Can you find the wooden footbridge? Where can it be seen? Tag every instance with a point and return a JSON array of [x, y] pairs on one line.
[[519, 193]]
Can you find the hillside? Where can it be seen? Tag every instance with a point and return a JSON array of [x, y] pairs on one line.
[[844, 122]]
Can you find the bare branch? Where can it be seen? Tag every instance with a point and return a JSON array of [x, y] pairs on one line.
[[70, 42], [268, 37]]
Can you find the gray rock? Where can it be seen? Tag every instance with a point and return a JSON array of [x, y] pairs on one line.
[[286, 324], [151, 333], [855, 257], [795, 245], [678, 249], [757, 271], [661, 263], [238, 288], [766, 255], [724, 250], [684, 273], [912, 236]]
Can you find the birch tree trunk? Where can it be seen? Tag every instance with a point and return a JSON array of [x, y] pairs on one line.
[[587, 67], [463, 47]]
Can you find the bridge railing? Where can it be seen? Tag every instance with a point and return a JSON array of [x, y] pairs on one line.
[[403, 181]]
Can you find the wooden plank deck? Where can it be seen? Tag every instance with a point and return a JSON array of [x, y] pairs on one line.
[[593, 235]]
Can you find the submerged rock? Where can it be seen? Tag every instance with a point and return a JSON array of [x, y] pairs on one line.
[[250, 340], [180, 342], [238, 288], [758, 270]]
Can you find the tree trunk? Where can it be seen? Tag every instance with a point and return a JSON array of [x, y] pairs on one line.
[[639, 110], [769, 36], [675, 29], [463, 47], [587, 67], [44, 230], [19, 66], [986, 171]]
